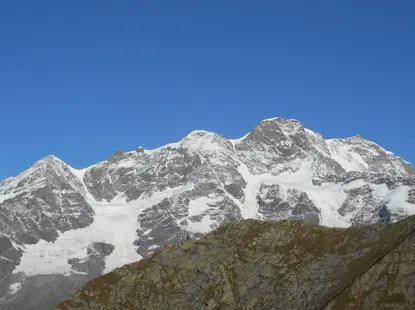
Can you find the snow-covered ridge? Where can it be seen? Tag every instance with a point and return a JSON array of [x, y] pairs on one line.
[[360, 140], [341, 151], [236, 141], [37, 176], [280, 119], [202, 139]]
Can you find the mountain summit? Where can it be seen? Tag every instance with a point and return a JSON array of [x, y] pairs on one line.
[[61, 226]]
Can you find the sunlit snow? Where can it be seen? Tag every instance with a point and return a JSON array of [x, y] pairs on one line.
[[115, 223]]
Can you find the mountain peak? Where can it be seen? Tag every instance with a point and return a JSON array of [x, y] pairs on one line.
[[205, 140], [279, 119], [357, 138], [48, 161], [118, 154], [199, 133], [287, 126], [49, 158]]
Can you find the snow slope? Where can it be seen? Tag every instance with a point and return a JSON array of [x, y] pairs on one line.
[[115, 223]]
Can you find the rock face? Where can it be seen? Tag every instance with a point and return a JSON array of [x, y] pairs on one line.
[[38, 204], [276, 202], [268, 265], [94, 263], [45, 199], [43, 291], [9, 257], [136, 202]]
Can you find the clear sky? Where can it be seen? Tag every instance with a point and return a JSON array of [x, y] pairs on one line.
[[80, 79]]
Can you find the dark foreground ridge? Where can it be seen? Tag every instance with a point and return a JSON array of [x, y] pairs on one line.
[[268, 265]]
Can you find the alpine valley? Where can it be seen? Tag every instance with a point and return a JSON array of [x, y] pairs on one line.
[[61, 227]]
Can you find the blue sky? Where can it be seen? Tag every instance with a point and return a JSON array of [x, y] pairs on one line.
[[80, 79]]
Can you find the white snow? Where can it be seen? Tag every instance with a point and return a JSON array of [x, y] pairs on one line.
[[288, 120], [200, 140], [298, 179], [79, 173], [328, 197], [14, 288], [10, 187], [312, 133], [350, 161], [380, 147], [406, 162], [200, 206], [203, 227], [196, 140], [239, 140], [147, 232], [158, 149], [395, 198], [115, 223], [126, 163], [4, 197], [250, 207]]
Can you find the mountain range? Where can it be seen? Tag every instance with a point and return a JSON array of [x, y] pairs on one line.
[[61, 227]]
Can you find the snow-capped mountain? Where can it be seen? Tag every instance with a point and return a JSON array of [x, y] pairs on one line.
[[60, 226]]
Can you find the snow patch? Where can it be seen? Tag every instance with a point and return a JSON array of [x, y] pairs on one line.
[[115, 223], [201, 140], [204, 226], [395, 198], [200, 206], [239, 140], [14, 288], [79, 173], [328, 199], [126, 163], [197, 207], [350, 161], [406, 162]]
